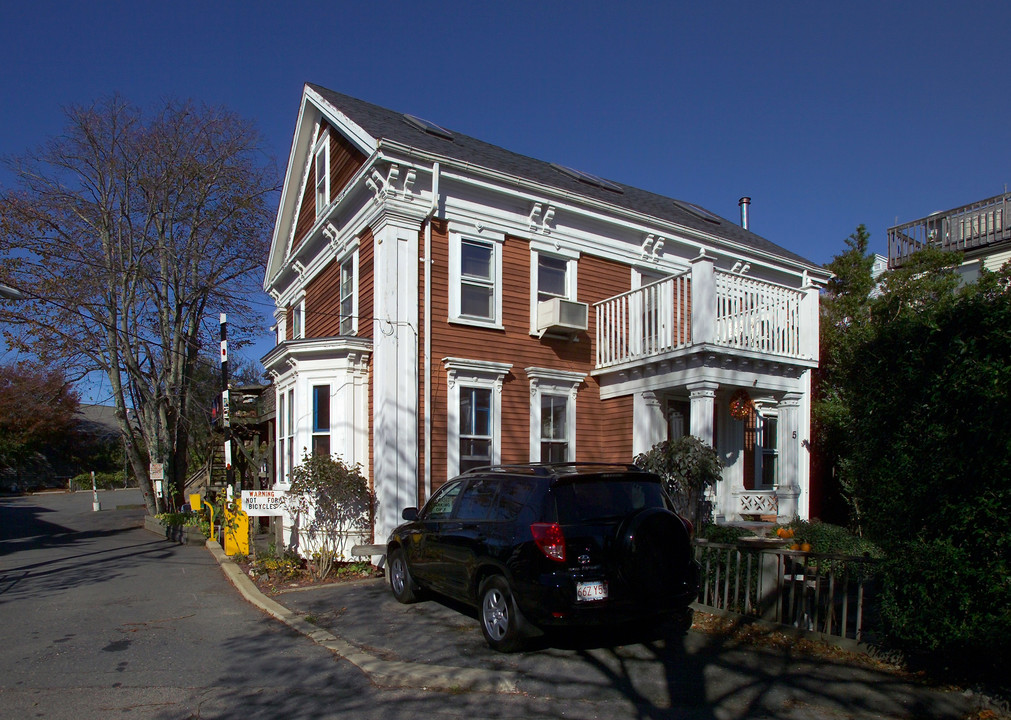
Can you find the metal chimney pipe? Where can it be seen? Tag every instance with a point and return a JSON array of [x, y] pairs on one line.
[[744, 202]]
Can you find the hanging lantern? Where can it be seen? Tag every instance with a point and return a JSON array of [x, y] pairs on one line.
[[741, 405]]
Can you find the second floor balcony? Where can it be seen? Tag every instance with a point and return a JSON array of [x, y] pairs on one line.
[[706, 308], [970, 227]]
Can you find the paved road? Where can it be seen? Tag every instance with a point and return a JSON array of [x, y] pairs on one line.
[[99, 618]]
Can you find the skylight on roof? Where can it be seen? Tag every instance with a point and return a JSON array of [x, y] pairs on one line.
[[587, 178], [697, 211], [428, 126]]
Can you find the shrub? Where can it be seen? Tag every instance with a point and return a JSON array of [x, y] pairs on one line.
[[178, 519], [688, 467], [942, 604], [103, 481], [727, 534], [332, 500], [831, 539]]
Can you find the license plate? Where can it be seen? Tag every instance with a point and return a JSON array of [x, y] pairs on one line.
[[589, 591]]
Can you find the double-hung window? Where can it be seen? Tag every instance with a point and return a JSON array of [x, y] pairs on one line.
[[553, 414], [475, 427], [474, 407], [347, 296], [552, 275], [554, 428], [475, 282], [298, 320], [285, 434], [322, 162], [321, 420]]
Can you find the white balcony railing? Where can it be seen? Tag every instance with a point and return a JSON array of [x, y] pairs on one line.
[[644, 322], [756, 315], [702, 306]]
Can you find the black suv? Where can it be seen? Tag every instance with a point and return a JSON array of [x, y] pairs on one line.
[[541, 545]]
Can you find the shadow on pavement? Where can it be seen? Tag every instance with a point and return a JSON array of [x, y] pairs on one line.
[[638, 673]]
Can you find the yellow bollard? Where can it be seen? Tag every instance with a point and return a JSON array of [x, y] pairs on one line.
[[236, 525]]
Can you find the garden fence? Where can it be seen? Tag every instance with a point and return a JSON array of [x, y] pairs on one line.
[[833, 596]]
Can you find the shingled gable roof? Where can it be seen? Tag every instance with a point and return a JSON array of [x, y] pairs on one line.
[[382, 123]]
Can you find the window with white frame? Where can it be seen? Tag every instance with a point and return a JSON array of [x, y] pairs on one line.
[[348, 296], [767, 442], [552, 275], [474, 409], [321, 420], [553, 414], [475, 427], [554, 428], [282, 437], [322, 160], [285, 434], [298, 320], [475, 282]]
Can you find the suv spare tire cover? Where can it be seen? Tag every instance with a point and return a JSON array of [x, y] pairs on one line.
[[654, 551]]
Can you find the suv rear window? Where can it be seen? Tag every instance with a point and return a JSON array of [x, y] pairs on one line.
[[589, 499]]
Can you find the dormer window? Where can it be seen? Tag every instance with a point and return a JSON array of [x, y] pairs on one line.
[[322, 161]]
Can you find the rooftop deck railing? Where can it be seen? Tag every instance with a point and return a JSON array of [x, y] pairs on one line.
[[964, 228]]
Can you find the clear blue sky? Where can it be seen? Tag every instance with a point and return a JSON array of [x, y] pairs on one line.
[[827, 114]]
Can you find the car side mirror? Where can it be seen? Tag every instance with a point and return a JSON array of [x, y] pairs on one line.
[[410, 514]]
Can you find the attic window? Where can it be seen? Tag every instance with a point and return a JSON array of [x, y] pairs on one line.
[[428, 126], [587, 178], [697, 211]]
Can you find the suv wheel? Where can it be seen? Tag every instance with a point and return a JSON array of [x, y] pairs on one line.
[[501, 621], [401, 583]]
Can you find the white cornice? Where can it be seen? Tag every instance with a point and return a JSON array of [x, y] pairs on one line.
[[599, 210]]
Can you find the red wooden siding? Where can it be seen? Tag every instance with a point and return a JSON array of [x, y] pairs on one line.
[[322, 303], [345, 161], [603, 429]]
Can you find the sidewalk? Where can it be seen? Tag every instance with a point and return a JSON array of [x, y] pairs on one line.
[[433, 645]]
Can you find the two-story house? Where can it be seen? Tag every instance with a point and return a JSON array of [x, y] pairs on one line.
[[981, 231], [443, 303]]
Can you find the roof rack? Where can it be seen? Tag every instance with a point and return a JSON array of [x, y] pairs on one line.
[[550, 469]]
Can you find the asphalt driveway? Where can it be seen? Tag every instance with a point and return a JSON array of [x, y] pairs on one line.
[[658, 675]]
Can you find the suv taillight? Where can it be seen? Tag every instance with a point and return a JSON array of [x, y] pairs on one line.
[[550, 540], [688, 526]]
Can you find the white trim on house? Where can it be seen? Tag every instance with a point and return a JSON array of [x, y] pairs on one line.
[[488, 239], [553, 383], [464, 373]]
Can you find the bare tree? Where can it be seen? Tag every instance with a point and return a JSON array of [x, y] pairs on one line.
[[127, 235]]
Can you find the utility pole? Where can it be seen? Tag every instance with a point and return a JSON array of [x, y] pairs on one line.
[[225, 409]]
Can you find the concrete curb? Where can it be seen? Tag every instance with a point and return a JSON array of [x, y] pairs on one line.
[[386, 673]]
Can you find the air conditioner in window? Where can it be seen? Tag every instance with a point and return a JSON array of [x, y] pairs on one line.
[[559, 315]]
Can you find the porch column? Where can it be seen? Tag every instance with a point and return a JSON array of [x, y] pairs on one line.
[[703, 397], [395, 362], [788, 440], [648, 423]]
